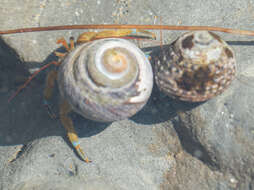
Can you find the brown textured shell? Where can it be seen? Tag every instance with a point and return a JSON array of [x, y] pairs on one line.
[[196, 67]]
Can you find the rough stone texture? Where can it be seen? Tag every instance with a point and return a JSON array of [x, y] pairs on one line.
[[168, 145]]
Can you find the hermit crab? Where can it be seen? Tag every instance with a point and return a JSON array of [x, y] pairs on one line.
[[103, 79], [108, 79]]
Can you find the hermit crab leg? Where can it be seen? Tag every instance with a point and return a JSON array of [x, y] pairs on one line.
[[48, 90], [50, 83], [120, 33], [65, 108], [52, 75]]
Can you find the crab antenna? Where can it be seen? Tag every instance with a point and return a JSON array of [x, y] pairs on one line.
[[30, 78], [117, 26]]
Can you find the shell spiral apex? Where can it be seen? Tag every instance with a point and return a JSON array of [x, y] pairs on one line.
[[106, 80], [196, 67]]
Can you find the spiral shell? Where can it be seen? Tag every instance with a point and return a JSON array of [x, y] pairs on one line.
[[106, 80], [196, 67]]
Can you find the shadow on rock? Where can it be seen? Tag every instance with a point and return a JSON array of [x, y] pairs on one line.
[[160, 108], [25, 117]]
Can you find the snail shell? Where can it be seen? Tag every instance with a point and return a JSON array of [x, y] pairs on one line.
[[106, 80], [197, 66]]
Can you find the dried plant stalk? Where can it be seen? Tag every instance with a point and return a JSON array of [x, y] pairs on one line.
[[128, 26]]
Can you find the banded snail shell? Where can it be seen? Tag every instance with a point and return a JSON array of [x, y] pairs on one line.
[[196, 67], [106, 80]]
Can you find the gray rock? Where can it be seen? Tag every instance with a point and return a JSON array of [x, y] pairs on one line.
[[223, 128], [168, 145]]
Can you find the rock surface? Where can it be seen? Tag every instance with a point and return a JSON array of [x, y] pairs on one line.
[[168, 145]]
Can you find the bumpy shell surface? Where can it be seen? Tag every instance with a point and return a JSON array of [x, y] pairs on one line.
[[196, 67], [106, 80]]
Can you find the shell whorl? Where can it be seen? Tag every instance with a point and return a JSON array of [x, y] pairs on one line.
[[106, 80], [197, 66], [110, 66]]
